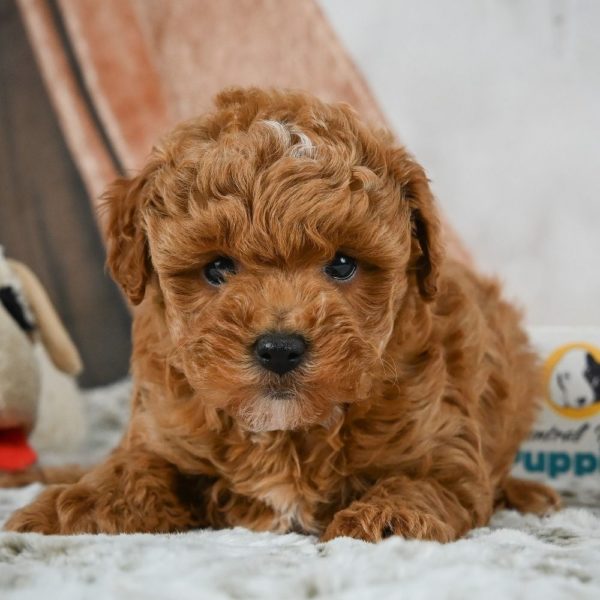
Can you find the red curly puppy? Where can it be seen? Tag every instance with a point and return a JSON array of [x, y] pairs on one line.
[[305, 358]]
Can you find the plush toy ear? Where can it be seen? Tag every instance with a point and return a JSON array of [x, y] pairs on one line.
[[427, 251], [128, 255], [56, 340]]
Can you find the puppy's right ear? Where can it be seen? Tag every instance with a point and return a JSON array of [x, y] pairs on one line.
[[128, 256]]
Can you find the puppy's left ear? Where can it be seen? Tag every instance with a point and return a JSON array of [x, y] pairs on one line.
[[427, 250]]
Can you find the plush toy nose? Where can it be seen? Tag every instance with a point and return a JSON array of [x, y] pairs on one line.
[[280, 352]]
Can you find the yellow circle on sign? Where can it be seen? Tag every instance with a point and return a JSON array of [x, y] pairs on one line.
[[551, 378]]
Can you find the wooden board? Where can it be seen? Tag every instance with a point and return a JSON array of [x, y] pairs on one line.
[[45, 215]]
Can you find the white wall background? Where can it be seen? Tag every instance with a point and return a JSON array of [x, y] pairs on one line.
[[500, 101]]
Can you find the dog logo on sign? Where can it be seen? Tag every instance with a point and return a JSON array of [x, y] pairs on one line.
[[573, 380]]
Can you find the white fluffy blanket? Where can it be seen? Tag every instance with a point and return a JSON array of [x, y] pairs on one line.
[[516, 557]]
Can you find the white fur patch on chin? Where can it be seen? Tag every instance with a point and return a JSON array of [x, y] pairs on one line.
[[272, 414]]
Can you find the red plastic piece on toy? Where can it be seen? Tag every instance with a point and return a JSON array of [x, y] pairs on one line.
[[15, 453]]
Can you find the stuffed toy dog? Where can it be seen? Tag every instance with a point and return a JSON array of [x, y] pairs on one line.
[[38, 361]]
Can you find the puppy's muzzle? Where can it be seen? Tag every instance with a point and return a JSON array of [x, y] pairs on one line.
[[280, 352]]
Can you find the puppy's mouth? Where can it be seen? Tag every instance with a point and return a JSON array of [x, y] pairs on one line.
[[280, 394], [273, 409]]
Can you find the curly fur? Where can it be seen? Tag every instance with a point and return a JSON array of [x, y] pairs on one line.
[[420, 383]]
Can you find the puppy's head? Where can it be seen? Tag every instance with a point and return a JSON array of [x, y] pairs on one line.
[[282, 236]]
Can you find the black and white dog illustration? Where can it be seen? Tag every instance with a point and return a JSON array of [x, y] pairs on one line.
[[576, 380]]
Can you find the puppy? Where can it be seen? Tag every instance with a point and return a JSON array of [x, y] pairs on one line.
[[305, 358]]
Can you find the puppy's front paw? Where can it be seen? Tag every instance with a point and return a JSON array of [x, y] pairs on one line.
[[374, 522], [59, 509], [40, 516]]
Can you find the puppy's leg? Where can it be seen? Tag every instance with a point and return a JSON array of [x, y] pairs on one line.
[[133, 491], [416, 509], [528, 497]]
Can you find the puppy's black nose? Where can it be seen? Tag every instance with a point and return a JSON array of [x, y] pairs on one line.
[[280, 352]]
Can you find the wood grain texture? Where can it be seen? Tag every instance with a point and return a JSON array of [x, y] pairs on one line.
[[45, 215]]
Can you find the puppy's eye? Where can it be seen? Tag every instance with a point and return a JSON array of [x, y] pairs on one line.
[[215, 272], [341, 268]]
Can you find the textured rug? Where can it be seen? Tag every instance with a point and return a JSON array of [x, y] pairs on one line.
[[515, 557]]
